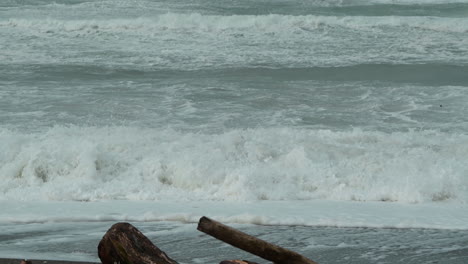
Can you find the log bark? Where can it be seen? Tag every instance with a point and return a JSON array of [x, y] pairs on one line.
[[125, 244], [251, 244]]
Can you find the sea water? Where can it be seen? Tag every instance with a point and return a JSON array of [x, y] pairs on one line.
[[335, 128]]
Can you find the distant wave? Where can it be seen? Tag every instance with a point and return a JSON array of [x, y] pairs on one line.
[[431, 74], [333, 3], [236, 41], [91, 163], [268, 23]]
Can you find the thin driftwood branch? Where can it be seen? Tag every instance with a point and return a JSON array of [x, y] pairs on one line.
[[251, 244]]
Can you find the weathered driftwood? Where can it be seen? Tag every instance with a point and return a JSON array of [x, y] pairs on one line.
[[251, 244], [125, 244]]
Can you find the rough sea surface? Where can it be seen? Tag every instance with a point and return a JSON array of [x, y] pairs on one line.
[[335, 128]]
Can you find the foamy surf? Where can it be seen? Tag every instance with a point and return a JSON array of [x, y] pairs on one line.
[[113, 163]]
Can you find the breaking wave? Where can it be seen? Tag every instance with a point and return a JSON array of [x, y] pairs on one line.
[[112, 163]]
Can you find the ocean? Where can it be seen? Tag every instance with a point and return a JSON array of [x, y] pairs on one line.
[[334, 128]]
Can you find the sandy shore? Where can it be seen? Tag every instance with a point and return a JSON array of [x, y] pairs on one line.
[[37, 261]]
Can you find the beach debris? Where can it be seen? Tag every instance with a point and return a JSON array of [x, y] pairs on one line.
[[251, 244], [125, 244]]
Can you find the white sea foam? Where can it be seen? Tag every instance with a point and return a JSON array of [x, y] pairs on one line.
[[89, 164], [305, 213]]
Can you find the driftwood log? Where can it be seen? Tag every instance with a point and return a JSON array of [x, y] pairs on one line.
[[251, 244], [124, 244]]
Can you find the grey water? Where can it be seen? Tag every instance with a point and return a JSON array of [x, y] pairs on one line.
[[200, 67], [183, 243]]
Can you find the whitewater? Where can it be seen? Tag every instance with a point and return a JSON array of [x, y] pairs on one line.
[[333, 128]]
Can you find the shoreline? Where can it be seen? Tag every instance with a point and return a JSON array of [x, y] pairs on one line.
[[40, 261]]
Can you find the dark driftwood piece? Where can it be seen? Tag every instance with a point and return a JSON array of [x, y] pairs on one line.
[[125, 244], [251, 244]]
